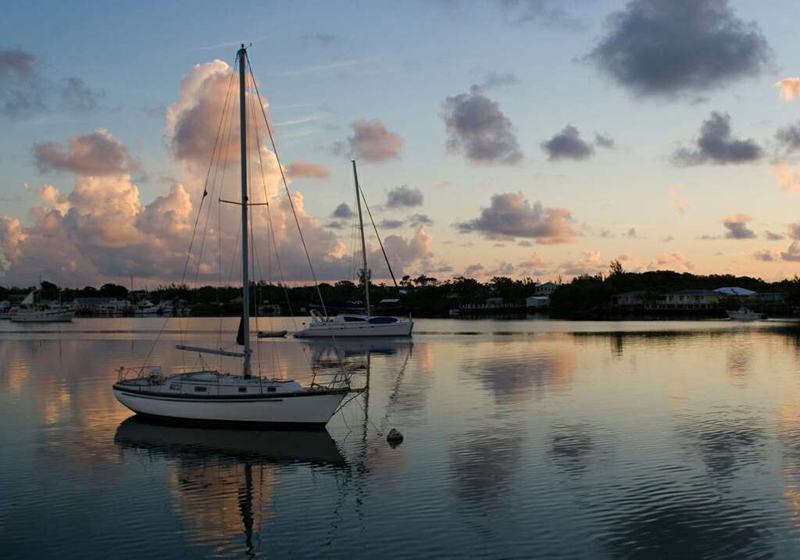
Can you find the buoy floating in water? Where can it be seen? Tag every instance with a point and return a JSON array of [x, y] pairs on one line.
[[394, 437]]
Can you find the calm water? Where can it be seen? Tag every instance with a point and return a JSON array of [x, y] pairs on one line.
[[523, 439]]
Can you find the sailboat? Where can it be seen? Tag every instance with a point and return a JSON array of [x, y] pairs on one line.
[[357, 325], [30, 312], [209, 395]]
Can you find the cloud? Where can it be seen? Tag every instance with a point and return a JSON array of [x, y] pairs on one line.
[[788, 138], [305, 169], [664, 48], [550, 12], [567, 144], [478, 128], [589, 263], [716, 145], [533, 265], [343, 211], [525, 243], [788, 179], [417, 220], [20, 84], [773, 236], [101, 230], [632, 234], [737, 227], [77, 97], [96, 153], [25, 92], [766, 255], [404, 197], [193, 120], [624, 257], [501, 269], [440, 267], [677, 200], [370, 141], [670, 261], [792, 254], [510, 215], [790, 88], [604, 141], [402, 252], [794, 231], [391, 224], [498, 79], [473, 269]]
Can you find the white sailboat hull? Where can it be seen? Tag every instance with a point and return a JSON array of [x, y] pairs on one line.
[[356, 330], [43, 317], [311, 410]]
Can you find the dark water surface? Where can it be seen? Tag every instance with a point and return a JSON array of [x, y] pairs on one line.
[[523, 439]]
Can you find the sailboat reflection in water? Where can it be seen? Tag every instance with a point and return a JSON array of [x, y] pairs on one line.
[[209, 394], [234, 468]]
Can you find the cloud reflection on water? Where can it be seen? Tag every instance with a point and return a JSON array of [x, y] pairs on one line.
[[482, 464], [728, 439], [511, 377], [663, 519]]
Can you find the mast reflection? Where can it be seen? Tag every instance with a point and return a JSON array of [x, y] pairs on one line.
[[223, 479]]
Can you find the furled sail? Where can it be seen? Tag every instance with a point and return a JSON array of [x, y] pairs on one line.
[[240, 334]]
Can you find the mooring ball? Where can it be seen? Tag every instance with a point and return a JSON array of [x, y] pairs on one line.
[[394, 436]]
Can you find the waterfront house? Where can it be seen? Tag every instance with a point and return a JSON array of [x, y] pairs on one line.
[[537, 302], [546, 289], [691, 299], [636, 298], [772, 297], [494, 302]]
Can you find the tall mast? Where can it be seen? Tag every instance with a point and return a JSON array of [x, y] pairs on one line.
[[245, 265], [363, 243]]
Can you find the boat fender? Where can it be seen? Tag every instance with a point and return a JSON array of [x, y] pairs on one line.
[[394, 437]]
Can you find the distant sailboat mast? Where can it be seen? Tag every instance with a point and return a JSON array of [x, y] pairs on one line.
[[363, 243], [245, 278]]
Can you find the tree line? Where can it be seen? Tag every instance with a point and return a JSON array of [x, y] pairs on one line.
[[423, 295]]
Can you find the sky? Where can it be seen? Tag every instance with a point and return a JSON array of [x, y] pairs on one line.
[[526, 138]]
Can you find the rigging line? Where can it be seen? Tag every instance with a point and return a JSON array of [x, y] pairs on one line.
[[252, 233], [213, 185], [257, 257], [378, 235], [288, 194], [189, 253], [228, 142], [271, 236], [394, 395], [291, 203], [271, 229]]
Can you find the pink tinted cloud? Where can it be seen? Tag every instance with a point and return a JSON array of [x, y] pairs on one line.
[[511, 215], [308, 170], [96, 153]]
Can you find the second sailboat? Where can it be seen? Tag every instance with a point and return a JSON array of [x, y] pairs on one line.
[[357, 325]]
